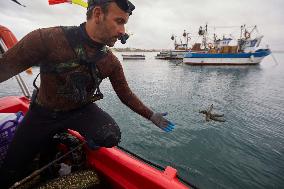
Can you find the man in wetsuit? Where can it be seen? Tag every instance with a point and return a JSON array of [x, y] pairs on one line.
[[73, 61]]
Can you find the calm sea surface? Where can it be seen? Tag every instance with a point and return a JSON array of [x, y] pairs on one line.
[[246, 151]]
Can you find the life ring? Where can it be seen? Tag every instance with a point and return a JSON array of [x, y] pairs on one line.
[[29, 71], [247, 35], [251, 58], [210, 45]]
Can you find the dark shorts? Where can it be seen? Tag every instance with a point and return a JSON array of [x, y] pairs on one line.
[[39, 126]]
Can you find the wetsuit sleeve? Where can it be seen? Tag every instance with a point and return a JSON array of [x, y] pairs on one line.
[[26, 53], [125, 94]]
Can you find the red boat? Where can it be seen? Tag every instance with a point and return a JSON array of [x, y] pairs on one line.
[[119, 168]]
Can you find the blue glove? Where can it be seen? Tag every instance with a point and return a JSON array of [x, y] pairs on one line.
[[161, 122]]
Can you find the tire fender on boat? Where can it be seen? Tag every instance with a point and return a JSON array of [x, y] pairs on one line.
[[210, 45], [247, 35], [251, 58]]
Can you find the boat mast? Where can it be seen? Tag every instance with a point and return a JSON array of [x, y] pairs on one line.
[[203, 32], [174, 39], [186, 36], [205, 36], [242, 26], [254, 28]]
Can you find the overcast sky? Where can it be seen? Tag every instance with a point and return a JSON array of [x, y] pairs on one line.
[[154, 21]]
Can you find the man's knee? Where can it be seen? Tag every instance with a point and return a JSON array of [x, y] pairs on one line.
[[112, 138], [108, 135], [101, 132]]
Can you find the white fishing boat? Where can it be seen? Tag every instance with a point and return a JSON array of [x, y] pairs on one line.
[[179, 48], [133, 57], [219, 52], [241, 58], [162, 55]]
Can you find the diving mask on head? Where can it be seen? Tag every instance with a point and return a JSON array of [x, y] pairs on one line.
[[124, 5]]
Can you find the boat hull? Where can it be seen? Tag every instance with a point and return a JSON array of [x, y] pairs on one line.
[[192, 58], [172, 55], [133, 57]]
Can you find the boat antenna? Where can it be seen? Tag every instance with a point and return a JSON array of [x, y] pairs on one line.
[[275, 60], [184, 33], [242, 27], [214, 37], [257, 30], [205, 35], [254, 28], [187, 38]]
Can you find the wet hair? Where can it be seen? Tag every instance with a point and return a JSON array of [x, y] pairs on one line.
[[103, 6]]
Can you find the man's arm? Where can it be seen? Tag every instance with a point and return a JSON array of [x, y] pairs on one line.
[[125, 94], [26, 53]]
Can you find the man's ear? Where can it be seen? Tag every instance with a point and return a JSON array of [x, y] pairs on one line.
[[98, 14]]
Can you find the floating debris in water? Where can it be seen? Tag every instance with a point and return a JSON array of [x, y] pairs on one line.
[[210, 116]]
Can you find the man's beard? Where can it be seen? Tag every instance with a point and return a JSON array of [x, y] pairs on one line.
[[107, 38], [112, 41]]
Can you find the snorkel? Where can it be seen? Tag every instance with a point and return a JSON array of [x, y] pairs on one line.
[[123, 38], [124, 5]]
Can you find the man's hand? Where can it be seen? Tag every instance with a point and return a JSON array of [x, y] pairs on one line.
[[161, 122]]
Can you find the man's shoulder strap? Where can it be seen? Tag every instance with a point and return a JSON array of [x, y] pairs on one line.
[[73, 36]]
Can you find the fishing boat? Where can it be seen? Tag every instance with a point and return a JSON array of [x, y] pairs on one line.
[[171, 55], [162, 54], [241, 58], [220, 52], [117, 167], [133, 56], [180, 48]]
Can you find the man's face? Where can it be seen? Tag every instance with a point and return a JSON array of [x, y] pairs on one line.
[[111, 25]]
